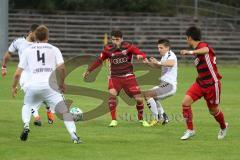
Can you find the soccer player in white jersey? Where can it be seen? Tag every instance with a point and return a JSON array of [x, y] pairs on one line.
[[42, 59], [168, 81], [17, 46]]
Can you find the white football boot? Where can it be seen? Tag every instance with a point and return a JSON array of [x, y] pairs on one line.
[[188, 134]]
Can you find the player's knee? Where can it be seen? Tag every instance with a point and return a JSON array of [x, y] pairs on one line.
[[113, 92], [146, 96], [187, 101], [139, 100], [213, 111]]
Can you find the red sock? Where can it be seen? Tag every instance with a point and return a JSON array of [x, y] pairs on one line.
[[140, 111], [220, 119], [112, 107], [187, 114]]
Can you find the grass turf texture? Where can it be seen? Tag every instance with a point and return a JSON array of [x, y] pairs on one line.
[[129, 140]]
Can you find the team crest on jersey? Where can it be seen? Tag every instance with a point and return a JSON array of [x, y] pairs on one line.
[[124, 52], [196, 61]]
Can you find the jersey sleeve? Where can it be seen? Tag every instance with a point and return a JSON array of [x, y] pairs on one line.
[[103, 56], [202, 45], [59, 57], [13, 47], [136, 51], [23, 62], [172, 57]]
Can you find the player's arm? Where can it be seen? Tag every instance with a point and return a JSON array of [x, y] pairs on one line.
[[158, 64], [16, 78], [146, 61], [21, 66], [7, 56], [203, 50], [136, 51], [62, 73], [103, 56], [167, 63]]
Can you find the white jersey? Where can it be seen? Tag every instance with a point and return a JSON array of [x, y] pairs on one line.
[[18, 45], [169, 74], [41, 59]]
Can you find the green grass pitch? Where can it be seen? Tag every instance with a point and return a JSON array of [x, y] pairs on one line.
[[129, 140]]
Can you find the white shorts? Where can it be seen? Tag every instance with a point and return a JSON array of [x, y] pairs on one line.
[[164, 90], [34, 97], [23, 80]]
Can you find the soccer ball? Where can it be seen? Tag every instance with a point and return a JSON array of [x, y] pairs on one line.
[[77, 114]]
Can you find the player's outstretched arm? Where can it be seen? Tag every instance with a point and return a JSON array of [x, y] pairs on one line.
[[7, 56], [16, 78], [203, 50], [136, 51], [92, 67], [146, 61]]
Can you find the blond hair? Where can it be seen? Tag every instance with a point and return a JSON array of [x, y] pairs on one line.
[[42, 33]]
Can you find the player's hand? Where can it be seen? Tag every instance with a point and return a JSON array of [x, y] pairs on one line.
[[14, 91], [146, 61], [139, 57], [184, 52], [85, 74], [153, 60], [4, 71]]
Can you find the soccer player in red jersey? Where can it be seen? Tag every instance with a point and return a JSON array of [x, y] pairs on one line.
[[120, 54], [207, 84]]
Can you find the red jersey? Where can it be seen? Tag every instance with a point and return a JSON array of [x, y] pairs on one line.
[[206, 67], [120, 58]]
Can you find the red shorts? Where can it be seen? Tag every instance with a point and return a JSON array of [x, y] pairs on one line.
[[128, 84], [211, 94]]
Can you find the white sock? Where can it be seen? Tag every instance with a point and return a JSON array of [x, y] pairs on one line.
[[160, 108], [26, 115], [26, 125], [153, 107], [71, 127]]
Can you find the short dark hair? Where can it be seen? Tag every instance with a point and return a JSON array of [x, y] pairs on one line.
[[165, 42], [194, 33], [116, 33], [41, 33], [33, 27]]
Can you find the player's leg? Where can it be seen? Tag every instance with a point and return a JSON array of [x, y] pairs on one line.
[[193, 94], [37, 118], [114, 86], [152, 104], [112, 103], [219, 117], [188, 116], [132, 89], [152, 96], [58, 106], [26, 116], [161, 113], [29, 100], [23, 79], [139, 105], [50, 115], [213, 100]]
